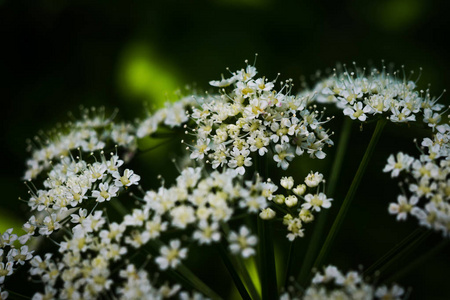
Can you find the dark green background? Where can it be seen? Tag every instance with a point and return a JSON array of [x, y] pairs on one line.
[[57, 55]]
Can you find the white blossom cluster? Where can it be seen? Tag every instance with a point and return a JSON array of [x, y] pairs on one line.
[[299, 204], [200, 203], [70, 183], [379, 93], [427, 182], [172, 115], [13, 254], [90, 245], [93, 132], [332, 284], [252, 117]]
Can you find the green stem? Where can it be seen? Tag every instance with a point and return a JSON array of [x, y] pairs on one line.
[[184, 274], [382, 260], [17, 295], [403, 253], [242, 269], [234, 275], [318, 233], [288, 270], [418, 261], [119, 207], [268, 276], [197, 282], [350, 194]]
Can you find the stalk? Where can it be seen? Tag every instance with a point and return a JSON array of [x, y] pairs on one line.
[[318, 233], [404, 252], [382, 260], [17, 295], [350, 194], [418, 261], [242, 270], [184, 274], [266, 255], [234, 275]]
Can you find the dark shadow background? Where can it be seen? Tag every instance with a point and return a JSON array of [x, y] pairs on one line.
[[58, 55]]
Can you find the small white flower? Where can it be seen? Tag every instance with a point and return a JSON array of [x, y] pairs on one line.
[[127, 179], [105, 192], [403, 207], [316, 201], [398, 163], [243, 242], [171, 256], [313, 179]]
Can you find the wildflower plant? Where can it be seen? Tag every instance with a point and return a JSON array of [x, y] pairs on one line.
[[97, 228]]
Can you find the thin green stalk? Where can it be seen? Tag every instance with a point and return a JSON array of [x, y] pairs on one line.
[[403, 253], [350, 194], [418, 261], [288, 269], [382, 260], [184, 274], [17, 295], [319, 228], [119, 207], [197, 282], [268, 276], [234, 275], [242, 269]]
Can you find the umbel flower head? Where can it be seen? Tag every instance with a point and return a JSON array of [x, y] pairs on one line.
[[249, 118], [427, 182], [363, 96]]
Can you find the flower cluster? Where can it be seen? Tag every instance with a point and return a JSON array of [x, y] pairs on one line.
[[380, 93], [69, 184], [333, 284], [172, 115], [427, 196], [253, 117], [200, 204], [300, 212], [91, 133], [13, 253]]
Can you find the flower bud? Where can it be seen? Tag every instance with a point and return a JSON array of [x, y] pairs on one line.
[[287, 182], [267, 214], [291, 200], [299, 190]]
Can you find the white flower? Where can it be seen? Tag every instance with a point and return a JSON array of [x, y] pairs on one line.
[[239, 160], [243, 242], [105, 192], [207, 232], [316, 201], [403, 207], [182, 216], [313, 179], [5, 270], [357, 111], [171, 256], [283, 155], [127, 179], [394, 293], [398, 163]]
